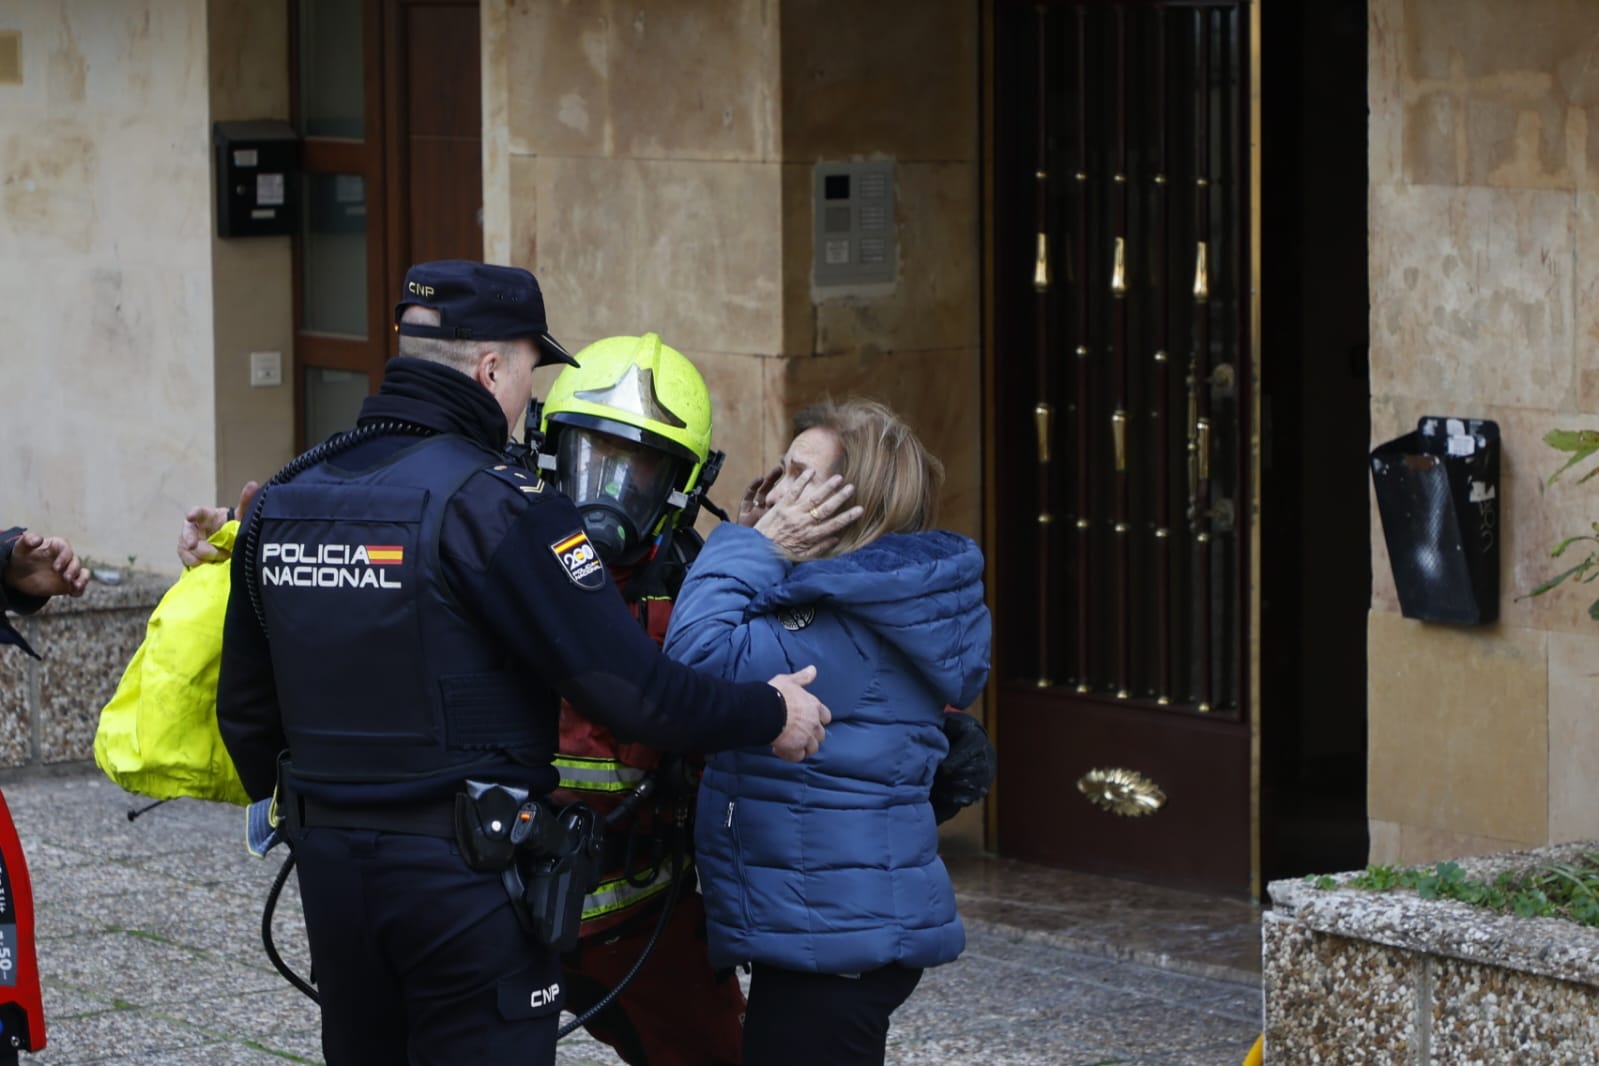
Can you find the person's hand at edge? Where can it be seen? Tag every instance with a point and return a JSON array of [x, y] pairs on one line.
[[194, 546], [802, 733], [45, 566], [754, 504], [805, 519]]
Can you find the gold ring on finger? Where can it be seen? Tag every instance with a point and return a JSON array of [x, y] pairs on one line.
[[815, 516]]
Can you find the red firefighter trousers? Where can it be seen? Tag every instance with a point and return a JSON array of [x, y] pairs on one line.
[[676, 1011]]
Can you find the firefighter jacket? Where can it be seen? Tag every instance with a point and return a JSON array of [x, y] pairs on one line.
[[831, 865], [600, 770], [426, 609]]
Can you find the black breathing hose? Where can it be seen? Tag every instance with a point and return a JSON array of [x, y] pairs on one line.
[[667, 906], [266, 933]]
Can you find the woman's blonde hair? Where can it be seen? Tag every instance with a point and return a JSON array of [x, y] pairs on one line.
[[896, 478]]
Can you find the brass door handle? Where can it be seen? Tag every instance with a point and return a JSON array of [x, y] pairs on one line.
[[1041, 263], [1043, 422], [1202, 441], [1118, 434]]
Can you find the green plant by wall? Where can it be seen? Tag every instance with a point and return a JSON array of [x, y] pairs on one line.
[[1568, 890], [1580, 444]]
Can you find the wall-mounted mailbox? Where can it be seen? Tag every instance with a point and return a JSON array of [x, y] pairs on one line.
[[257, 176], [853, 207], [1438, 495]]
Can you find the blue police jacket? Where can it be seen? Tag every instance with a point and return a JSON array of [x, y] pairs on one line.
[[381, 673], [392, 695], [831, 865]]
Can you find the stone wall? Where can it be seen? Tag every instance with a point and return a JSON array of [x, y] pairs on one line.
[[1484, 253], [50, 707], [1353, 976]]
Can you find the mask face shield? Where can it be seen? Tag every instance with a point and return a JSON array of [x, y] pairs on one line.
[[620, 488]]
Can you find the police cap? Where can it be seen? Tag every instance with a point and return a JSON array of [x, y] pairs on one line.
[[478, 301]]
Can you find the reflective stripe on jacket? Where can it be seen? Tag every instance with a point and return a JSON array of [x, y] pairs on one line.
[[579, 774]]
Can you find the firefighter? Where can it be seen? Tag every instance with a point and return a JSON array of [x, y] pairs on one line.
[[627, 437]]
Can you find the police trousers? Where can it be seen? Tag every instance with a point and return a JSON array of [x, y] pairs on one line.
[[419, 959]]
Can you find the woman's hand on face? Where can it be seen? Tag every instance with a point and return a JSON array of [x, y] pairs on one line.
[[754, 504], [804, 520]]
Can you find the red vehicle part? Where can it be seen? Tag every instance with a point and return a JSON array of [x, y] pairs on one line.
[[21, 1007]]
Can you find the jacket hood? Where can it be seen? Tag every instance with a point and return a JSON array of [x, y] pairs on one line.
[[921, 592]]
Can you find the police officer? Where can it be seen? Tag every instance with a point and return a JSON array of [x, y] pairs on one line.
[[406, 611]]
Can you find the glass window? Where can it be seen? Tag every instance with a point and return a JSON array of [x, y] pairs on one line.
[[332, 401], [333, 255], [331, 71]]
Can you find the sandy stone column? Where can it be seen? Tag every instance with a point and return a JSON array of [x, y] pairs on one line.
[[1484, 257]]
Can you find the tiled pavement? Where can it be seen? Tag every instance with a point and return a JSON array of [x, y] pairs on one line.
[[150, 949]]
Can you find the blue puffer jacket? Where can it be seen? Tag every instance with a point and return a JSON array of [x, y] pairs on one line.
[[831, 865]]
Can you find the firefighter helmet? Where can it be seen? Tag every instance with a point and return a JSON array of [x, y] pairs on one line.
[[627, 435]]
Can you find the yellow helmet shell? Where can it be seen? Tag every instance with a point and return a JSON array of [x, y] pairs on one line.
[[637, 388]]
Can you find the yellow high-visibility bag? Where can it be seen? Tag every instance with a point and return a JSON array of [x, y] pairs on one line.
[[158, 735]]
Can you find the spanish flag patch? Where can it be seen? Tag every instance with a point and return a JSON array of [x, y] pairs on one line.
[[385, 554]]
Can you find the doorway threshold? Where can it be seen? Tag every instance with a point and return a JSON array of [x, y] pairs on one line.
[[1187, 932]]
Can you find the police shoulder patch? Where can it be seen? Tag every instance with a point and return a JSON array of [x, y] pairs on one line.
[[580, 561], [521, 480]]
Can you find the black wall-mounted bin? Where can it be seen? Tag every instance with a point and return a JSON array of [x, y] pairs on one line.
[[1438, 495]]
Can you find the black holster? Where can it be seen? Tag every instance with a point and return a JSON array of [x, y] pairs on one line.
[[548, 860]]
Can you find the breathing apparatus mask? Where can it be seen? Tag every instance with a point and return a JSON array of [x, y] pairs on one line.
[[620, 487]]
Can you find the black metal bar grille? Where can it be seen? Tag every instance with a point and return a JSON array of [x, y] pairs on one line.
[[1142, 113]]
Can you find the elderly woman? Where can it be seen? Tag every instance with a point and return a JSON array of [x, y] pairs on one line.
[[824, 875]]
